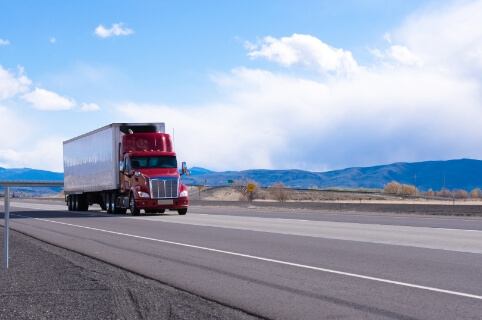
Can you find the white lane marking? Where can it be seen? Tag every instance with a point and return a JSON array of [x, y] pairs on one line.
[[354, 275], [38, 206], [457, 240]]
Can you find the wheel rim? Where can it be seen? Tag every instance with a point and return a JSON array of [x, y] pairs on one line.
[[132, 205], [112, 203]]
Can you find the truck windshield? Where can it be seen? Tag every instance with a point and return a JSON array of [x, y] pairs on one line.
[[154, 162]]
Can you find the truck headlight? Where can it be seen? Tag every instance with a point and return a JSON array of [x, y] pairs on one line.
[[143, 194], [183, 194]]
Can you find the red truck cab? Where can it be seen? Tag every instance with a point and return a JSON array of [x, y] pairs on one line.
[[149, 175]]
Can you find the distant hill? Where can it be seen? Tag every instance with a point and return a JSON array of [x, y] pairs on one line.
[[463, 174], [31, 174]]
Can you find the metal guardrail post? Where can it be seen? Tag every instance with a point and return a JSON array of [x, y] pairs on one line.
[[7, 220], [19, 183]]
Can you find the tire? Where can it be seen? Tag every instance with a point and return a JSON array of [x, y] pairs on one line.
[[112, 207], [75, 202], [69, 202], [182, 211], [132, 207], [108, 203]]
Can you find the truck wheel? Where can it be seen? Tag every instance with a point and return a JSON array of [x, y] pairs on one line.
[[182, 211], [111, 203], [113, 198], [75, 202], [69, 202], [132, 206], [108, 203]]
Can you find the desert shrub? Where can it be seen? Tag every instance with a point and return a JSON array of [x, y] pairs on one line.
[[460, 194], [476, 193], [444, 193], [279, 192], [392, 187], [408, 189]]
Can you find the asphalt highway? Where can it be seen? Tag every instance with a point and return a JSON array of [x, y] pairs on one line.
[[282, 264]]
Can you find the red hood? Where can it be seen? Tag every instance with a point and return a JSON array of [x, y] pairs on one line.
[[160, 172]]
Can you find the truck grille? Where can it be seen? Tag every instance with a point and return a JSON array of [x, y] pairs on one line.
[[164, 188]]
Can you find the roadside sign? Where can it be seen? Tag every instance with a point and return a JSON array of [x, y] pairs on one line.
[[199, 187], [250, 187]]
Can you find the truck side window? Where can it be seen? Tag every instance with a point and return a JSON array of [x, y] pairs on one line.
[[128, 165]]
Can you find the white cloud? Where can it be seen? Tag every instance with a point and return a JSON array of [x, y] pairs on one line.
[[89, 107], [53, 40], [117, 29], [275, 121], [400, 55], [387, 37], [11, 84], [449, 38], [305, 51], [405, 56], [4, 42], [422, 103], [42, 99], [14, 130], [46, 154]]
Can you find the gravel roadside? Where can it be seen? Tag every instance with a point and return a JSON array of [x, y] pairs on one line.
[[47, 282], [448, 209]]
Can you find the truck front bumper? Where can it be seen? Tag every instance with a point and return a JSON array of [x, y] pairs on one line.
[[174, 204]]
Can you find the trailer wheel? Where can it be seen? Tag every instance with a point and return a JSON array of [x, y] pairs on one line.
[[182, 211], [132, 206], [69, 202], [75, 202]]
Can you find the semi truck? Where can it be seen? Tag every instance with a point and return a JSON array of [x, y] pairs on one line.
[[124, 166]]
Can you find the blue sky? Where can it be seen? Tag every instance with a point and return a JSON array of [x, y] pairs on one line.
[[312, 85]]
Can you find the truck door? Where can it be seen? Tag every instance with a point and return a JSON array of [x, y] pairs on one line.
[[125, 178]]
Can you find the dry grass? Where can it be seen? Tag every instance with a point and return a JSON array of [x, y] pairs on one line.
[[231, 194]]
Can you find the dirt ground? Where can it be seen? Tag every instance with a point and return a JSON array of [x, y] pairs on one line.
[[330, 201], [233, 194], [338, 201]]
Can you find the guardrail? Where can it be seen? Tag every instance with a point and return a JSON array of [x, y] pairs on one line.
[[19, 183]]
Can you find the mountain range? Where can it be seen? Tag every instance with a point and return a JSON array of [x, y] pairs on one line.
[[461, 174], [31, 174]]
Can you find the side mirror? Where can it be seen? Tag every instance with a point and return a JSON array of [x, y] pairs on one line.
[[121, 166], [184, 168]]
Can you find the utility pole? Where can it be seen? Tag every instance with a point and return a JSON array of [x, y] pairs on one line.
[[415, 184]]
